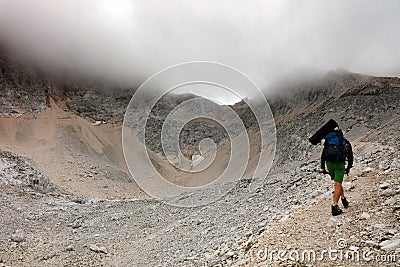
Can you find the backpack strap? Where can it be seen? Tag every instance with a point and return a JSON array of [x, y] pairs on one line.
[[341, 138]]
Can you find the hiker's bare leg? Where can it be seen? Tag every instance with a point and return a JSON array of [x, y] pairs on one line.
[[338, 192]]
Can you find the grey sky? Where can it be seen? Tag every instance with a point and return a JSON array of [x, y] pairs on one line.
[[126, 41]]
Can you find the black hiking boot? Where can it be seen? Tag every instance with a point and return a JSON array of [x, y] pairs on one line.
[[336, 210], [345, 203]]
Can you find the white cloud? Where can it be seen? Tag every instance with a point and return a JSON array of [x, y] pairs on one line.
[[124, 42]]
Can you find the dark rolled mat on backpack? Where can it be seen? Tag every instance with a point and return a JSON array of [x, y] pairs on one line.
[[323, 131]]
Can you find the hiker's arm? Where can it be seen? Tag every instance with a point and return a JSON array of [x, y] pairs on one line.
[[323, 159], [350, 156]]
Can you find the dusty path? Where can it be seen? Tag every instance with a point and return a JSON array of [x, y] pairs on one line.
[[373, 217]]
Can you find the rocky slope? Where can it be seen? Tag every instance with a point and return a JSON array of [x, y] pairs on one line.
[[54, 230], [366, 234], [362, 105], [47, 226], [22, 90]]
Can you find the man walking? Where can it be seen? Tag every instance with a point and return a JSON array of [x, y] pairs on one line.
[[336, 150]]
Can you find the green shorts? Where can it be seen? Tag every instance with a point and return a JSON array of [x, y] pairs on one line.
[[336, 170]]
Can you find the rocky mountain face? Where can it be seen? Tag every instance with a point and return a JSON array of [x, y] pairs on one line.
[[196, 129], [25, 91], [22, 90], [362, 105], [97, 104], [46, 226]]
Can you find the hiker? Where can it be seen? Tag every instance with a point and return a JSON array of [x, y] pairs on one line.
[[336, 150]]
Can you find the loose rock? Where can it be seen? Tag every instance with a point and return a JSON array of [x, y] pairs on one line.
[[365, 216], [388, 192], [332, 222], [391, 201], [18, 236], [384, 185], [371, 244], [390, 245], [98, 249]]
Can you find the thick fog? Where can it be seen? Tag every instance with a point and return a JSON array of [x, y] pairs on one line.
[[124, 42]]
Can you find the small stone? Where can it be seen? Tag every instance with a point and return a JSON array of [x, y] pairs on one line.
[[390, 232], [69, 248], [391, 201], [332, 222], [18, 236], [384, 185], [216, 262], [248, 233], [378, 226], [384, 167], [367, 170], [365, 216], [262, 224], [364, 233], [389, 245], [371, 244], [52, 254], [229, 254], [103, 249], [388, 192], [284, 218], [98, 249]]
